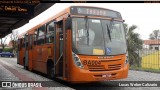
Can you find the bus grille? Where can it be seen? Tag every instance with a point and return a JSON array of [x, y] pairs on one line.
[[102, 68], [114, 67], [96, 68]]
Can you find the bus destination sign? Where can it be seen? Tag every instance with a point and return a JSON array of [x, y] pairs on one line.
[[17, 8], [94, 11]]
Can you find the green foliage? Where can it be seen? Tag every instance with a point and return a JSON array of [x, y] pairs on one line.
[[7, 50], [134, 44]]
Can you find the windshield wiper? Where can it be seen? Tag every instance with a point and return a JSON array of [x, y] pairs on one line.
[[108, 31], [86, 28]]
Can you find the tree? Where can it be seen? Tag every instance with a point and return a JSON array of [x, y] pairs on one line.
[[3, 42], [155, 35], [14, 38], [134, 44]]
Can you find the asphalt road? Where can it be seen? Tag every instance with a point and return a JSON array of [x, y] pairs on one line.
[[105, 85]]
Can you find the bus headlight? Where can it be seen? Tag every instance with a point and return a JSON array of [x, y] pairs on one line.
[[126, 61], [77, 61]]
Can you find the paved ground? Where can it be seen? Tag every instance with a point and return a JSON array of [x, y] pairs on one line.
[[10, 71]]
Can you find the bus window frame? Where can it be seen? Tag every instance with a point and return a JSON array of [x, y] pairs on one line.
[[35, 37], [53, 41], [39, 41]]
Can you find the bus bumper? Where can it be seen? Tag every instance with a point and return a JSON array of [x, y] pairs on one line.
[[82, 75]]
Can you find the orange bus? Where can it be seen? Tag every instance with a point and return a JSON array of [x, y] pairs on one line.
[[79, 44], [21, 49]]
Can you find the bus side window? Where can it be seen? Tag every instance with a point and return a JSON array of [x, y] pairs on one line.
[[35, 37], [41, 33], [50, 33]]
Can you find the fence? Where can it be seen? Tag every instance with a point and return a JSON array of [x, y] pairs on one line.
[[150, 54]]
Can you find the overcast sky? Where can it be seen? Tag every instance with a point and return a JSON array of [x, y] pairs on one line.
[[145, 15]]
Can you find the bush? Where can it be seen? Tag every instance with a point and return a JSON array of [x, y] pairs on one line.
[[8, 50]]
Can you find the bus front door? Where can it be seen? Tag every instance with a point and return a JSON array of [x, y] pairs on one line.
[[59, 50]]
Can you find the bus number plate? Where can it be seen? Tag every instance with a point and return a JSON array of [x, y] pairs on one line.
[[106, 75]]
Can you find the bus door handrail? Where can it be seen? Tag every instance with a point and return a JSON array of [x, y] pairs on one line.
[[58, 59]]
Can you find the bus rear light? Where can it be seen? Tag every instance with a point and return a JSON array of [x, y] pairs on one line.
[[77, 61]]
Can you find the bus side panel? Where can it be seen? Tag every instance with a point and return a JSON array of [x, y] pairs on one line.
[[21, 56], [40, 59], [69, 54], [35, 56], [18, 58], [30, 58], [46, 50]]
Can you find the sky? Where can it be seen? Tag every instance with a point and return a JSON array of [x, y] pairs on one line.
[[144, 15]]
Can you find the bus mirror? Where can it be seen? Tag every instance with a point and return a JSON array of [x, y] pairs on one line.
[[68, 23]]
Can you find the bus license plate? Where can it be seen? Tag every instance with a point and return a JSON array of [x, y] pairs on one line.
[[106, 75]]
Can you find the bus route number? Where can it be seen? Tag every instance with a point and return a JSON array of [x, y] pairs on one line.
[[92, 62]]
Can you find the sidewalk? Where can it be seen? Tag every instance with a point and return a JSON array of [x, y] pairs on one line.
[[6, 75], [11, 71]]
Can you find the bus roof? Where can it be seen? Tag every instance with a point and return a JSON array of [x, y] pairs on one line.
[[85, 10]]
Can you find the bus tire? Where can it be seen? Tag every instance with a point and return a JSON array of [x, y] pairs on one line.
[[50, 70]]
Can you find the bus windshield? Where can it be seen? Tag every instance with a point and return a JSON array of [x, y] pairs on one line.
[[98, 37]]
